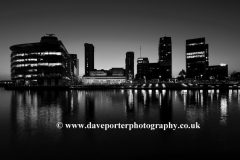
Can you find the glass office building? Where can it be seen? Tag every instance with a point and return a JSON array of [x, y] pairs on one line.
[[197, 58], [45, 63], [165, 57]]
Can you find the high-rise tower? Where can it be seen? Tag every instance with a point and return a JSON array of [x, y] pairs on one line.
[[165, 57], [142, 68], [129, 65], [89, 58], [197, 58]]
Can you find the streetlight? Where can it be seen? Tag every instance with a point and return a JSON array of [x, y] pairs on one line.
[[159, 78], [201, 76]]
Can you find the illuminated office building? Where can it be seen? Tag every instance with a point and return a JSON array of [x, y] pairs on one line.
[[89, 58], [43, 63], [197, 58], [165, 57]]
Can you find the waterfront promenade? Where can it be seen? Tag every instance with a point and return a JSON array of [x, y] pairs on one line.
[[161, 86]]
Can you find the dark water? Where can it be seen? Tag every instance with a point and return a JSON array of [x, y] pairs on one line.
[[28, 124]]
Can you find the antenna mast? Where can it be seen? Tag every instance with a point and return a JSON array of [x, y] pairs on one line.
[[140, 52]]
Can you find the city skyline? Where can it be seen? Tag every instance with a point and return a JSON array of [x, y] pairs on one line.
[[117, 27]]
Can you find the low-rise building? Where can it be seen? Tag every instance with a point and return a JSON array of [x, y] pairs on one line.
[[101, 77]]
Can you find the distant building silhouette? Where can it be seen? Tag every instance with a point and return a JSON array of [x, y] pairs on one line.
[[117, 72], [142, 68], [89, 58], [219, 72], [165, 57], [197, 58], [44, 63], [78, 68], [94, 76], [154, 70], [112, 76], [129, 65]]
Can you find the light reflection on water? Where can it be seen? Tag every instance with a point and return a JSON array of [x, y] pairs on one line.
[[34, 115], [223, 118], [34, 108], [238, 99]]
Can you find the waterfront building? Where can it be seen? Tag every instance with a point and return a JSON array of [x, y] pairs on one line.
[[154, 71], [234, 76], [142, 68], [104, 77], [4, 83], [197, 58], [43, 63], [74, 67], [89, 58], [219, 72], [165, 57], [129, 65], [117, 72]]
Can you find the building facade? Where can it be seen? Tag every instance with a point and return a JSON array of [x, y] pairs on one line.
[[142, 68], [44, 63], [129, 65], [219, 72], [165, 57], [74, 67], [89, 58], [104, 77], [154, 71], [197, 58]]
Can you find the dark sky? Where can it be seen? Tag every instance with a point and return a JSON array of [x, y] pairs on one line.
[[117, 26]]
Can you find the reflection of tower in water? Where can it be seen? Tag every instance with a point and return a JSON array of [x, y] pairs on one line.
[[224, 106], [34, 114], [165, 106], [143, 103], [238, 99], [89, 106], [129, 109], [129, 101], [223, 110], [195, 107]]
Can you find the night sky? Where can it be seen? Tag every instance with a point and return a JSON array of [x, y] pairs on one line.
[[117, 26]]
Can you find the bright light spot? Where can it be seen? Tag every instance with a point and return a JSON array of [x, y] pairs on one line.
[[184, 85], [163, 85], [223, 118]]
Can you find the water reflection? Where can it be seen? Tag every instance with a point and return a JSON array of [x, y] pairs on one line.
[[129, 101], [90, 106], [166, 106], [223, 111], [230, 96], [238, 100], [36, 112], [129, 109]]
